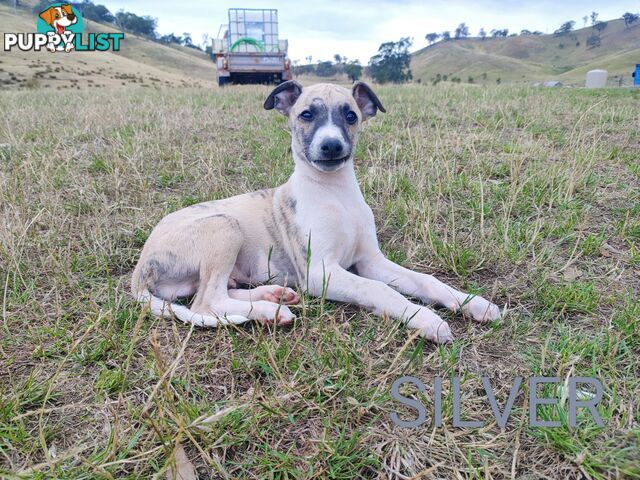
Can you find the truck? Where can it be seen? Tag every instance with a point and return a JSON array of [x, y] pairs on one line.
[[248, 50]]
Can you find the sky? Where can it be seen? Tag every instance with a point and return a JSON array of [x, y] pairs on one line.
[[356, 28]]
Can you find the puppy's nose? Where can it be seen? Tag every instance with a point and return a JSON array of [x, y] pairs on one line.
[[331, 148], [71, 16]]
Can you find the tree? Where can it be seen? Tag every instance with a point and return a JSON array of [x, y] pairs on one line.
[[594, 41], [499, 33], [353, 69], [171, 38], [446, 35], [432, 37], [391, 63], [462, 31], [98, 13], [338, 58], [594, 18], [537, 33], [139, 25], [565, 28], [186, 39], [482, 34], [584, 20], [304, 69], [525, 32], [630, 18], [600, 26], [325, 69]]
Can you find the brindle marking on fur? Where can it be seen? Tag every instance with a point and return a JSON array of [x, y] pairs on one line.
[[339, 119], [166, 267], [286, 254], [264, 193], [231, 220], [308, 130], [284, 265], [279, 258], [160, 264], [218, 215], [291, 203]]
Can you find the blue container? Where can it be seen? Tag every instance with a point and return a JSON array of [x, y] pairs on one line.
[[636, 76]]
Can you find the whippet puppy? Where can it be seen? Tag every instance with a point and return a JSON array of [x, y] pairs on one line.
[[315, 232]]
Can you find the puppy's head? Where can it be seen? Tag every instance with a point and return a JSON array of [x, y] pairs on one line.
[[59, 17], [324, 119]]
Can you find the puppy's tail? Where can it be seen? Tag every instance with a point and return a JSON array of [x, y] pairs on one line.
[[163, 308]]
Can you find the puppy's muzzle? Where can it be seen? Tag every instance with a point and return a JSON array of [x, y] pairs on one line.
[[332, 154], [332, 149]]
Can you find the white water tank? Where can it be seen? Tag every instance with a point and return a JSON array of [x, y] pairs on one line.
[[596, 79]]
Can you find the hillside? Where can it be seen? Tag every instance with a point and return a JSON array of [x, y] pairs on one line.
[[139, 62], [527, 59]]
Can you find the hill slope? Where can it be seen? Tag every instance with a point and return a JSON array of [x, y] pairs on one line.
[[525, 59], [139, 62]]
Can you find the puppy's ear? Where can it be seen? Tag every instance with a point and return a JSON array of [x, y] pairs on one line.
[[367, 101], [48, 15], [283, 97], [66, 9]]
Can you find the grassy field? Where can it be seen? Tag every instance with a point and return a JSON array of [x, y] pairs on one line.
[[530, 196], [526, 59]]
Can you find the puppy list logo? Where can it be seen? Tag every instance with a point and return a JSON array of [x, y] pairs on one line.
[[59, 29]]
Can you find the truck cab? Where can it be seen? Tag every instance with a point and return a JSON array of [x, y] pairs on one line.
[[248, 49]]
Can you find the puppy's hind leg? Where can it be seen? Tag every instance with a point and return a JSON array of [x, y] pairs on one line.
[[217, 261]]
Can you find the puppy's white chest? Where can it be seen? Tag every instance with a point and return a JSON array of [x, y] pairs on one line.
[[334, 230]]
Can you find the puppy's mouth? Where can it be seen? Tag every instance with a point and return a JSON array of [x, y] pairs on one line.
[[330, 165], [60, 29]]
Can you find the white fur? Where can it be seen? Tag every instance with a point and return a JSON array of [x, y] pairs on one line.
[[162, 308]]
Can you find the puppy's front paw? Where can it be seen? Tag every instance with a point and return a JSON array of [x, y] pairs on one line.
[[432, 327], [481, 310], [275, 314], [284, 316]]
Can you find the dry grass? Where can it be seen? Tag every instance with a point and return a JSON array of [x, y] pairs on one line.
[[140, 62], [530, 196]]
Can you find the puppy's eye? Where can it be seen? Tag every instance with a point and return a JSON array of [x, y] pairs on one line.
[[306, 115], [351, 117]]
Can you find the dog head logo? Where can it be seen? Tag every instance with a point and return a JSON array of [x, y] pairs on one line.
[[61, 22], [59, 17], [60, 29]]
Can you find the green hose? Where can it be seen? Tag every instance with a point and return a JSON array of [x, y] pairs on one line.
[[248, 41]]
